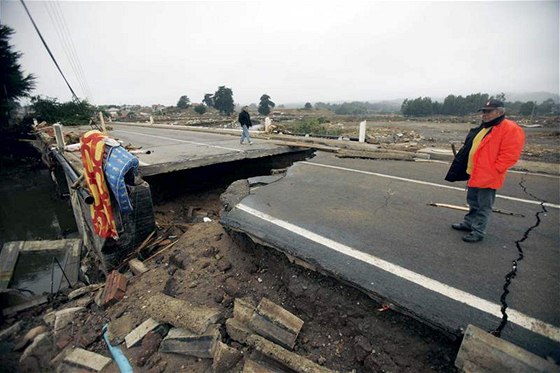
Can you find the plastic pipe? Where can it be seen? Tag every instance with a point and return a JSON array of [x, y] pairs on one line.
[[118, 356]]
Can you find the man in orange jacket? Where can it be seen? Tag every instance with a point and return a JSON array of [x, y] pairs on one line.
[[488, 152]]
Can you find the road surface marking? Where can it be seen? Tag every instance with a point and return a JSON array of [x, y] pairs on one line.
[[184, 141], [510, 170], [552, 205], [516, 317]]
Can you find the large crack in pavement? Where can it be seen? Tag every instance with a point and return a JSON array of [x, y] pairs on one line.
[[515, 263]]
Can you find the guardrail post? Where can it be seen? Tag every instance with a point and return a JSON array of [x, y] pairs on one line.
[[59, 136]]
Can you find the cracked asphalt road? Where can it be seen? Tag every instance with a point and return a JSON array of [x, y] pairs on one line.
[[368, 222]]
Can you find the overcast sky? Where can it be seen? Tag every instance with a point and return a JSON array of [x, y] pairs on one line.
[[154, 52]]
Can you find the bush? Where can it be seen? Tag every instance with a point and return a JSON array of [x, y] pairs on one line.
[[313, 126], [200, 109]]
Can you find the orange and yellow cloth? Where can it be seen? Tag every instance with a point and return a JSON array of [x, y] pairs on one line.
[[93, 151]]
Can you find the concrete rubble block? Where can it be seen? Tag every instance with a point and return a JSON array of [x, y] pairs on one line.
[[482, 352], [225, 357], [185, 342], [180, 313], [50, 318], [115, 288], [135, 336], [275, 323], [137, 267], [65, 317], [237, 330], [83, 290], [287, 358], [243, 309], [10, 332], [57, 360], [83, 301], [255, 366], [29, 337], [37, 355], [84, 360]]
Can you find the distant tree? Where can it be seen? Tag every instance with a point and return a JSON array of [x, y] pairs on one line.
[[68, 113], [527, 108], [223, 100], [308, 106], [200, 109], [208, 100], [183, 102], [265, 105], [14, 84], [548, 107], [421, 106], [500, 96]]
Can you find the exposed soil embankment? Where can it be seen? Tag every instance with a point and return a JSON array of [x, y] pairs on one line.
[[343, 329]]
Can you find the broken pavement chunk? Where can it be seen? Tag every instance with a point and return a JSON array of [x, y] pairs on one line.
[[185, 342], [237, 331], [88, 360], [254, 365], [135, 336], [482, 352], [137, 267], [275, 323], [115, 288], [243, 309], [180, 313], [83, 290], [225, 357], [285, 357]]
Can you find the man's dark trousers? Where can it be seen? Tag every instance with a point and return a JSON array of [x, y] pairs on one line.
[[480, 202]]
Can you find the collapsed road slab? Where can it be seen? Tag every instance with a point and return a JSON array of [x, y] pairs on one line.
[[175, 149], [369, 223]]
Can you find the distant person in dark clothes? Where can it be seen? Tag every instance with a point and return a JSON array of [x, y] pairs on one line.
[[488, 152], [245, 121]]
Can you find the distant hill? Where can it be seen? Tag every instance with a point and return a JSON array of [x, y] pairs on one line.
[[394, 103], [539, 97]]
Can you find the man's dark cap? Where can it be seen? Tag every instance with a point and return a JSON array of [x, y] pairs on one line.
[[492, 104]]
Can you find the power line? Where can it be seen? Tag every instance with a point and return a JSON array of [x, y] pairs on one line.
[[72, 48], [48, 50], [57, 26]]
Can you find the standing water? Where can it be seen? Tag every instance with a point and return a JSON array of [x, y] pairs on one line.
[[31, 208]]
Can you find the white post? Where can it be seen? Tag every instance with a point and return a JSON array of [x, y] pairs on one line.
[[104, 130], [362, 135], [59, 136], [267, 125], [151, 120]]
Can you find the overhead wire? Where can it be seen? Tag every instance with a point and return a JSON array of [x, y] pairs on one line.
[[65, 47], [73, 51], [74, 96]]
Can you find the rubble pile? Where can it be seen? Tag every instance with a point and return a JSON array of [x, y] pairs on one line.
[[70, 338]]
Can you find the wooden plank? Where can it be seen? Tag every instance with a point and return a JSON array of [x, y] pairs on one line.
[[8, 260], [482, 352]]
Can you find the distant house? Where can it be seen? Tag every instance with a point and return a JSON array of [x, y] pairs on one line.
[[113, 112]]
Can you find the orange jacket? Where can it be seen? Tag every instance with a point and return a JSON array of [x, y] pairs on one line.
[[497, 152]]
